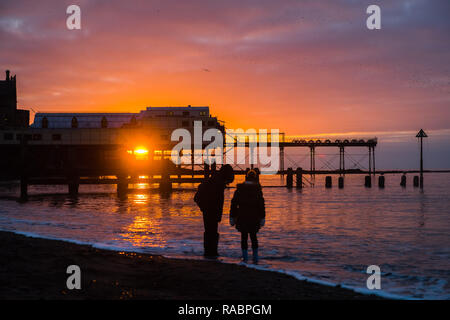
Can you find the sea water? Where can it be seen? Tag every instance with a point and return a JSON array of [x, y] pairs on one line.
[[326, 235]]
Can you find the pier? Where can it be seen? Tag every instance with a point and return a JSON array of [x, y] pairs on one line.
[[78, 156], [341, 144], [38, 162]]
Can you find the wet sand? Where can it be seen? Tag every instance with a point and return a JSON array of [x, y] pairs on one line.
[[32, 268]]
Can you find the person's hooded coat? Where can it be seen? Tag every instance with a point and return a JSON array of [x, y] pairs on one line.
[[247, 207]]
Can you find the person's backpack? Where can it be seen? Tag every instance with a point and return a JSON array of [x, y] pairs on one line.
[[209, 197], [202, 195]]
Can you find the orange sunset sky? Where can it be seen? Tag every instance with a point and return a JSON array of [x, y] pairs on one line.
[[305, 67]]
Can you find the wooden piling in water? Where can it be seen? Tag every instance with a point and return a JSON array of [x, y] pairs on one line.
[[289, 178], [381, 181], [416, 181], [299, 178], [341, 182], [403, 180], [328, 182], [368, 181], [122, 185], [165, 185]]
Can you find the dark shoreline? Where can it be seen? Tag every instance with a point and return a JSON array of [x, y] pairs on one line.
[[34, 268]]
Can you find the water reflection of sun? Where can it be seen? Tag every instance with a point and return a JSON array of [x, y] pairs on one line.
[[150, 225], [140, 199], [144, 231]]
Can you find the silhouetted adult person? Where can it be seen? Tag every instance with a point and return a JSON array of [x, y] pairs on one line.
[[248, 212], [210, 197]]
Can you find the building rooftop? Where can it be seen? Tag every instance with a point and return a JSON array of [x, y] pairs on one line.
[[113, 120]]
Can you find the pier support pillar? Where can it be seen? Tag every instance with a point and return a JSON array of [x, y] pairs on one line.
[[206, 171], [23, 187], [299, 178], [122, 186], [289, 178], [71, 170], [342, 159], [373, 156], [74, 184], [192, 160], [23, 168], [165, 185], [312, 154], [179, 170], [281, 145]]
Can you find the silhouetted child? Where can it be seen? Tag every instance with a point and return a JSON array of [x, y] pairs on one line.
[[248, 212]]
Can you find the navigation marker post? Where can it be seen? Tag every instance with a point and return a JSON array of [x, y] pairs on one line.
[[420, 135]]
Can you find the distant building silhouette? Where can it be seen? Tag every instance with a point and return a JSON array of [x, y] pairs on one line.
[[163, 119], [10, 116]]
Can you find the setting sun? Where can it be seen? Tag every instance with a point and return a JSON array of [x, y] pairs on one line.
[[140, 151]]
